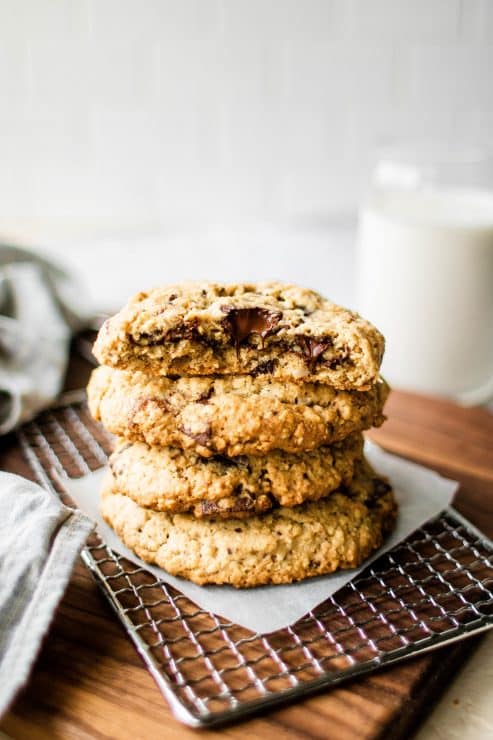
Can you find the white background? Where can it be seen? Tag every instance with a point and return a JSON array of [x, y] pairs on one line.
[[175, 115], [155, 140]]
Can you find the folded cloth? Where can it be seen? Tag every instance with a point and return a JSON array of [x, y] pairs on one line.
[[40, 306], [39, 541]]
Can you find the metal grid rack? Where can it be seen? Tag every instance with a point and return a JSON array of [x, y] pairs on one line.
[[432, 589]]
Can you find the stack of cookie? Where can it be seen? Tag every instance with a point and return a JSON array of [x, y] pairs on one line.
[[239, 412]]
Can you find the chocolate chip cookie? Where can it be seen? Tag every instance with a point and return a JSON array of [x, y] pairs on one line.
[[268, 329], [230, 415], [171, 479], [284, 545]]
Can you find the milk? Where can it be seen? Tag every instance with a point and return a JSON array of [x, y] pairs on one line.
[[425, 278]]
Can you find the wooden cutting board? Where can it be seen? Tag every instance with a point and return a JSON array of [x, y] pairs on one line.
[[88, 681]]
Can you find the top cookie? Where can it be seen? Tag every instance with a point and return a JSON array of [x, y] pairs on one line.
[[266, 328]]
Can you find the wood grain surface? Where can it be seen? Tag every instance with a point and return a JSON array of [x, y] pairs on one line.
[[89, 682]]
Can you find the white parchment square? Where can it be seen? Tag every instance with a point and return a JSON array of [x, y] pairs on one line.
[[420, 492]]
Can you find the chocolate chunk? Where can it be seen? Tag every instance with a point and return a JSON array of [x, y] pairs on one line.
[[342, 358], [203, 438], [226, 462], [312, 348], [264, 368], [204, 397], [143, 403], [333, 363], [240, 461], [241, 323], [141, 406], [241, 505], [147, 339], [380, 489], [184, 331]]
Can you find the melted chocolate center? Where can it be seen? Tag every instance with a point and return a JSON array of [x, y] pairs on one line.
[[243, 322], [312, 348]]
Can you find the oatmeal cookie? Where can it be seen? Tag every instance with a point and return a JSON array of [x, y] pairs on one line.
[[273, 329], [171, 479], [230, 415], [284, 545]]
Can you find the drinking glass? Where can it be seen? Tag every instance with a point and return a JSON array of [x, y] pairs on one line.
[[425, 268]]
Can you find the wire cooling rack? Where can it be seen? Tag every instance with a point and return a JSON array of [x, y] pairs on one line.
[[434, 588]]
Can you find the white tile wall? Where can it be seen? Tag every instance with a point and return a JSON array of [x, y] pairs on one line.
[[183, 113], [401, 20]]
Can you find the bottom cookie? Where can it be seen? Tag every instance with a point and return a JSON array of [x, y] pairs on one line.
[[285, 545]]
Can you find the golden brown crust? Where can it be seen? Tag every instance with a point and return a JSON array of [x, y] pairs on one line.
[[210, 328], [170, 479], [285, 545], [230, 415]]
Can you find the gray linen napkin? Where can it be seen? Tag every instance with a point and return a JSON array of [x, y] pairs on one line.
[[40, 306], [39, 541]]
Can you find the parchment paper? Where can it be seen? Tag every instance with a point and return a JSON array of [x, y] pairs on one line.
[[420, 492]]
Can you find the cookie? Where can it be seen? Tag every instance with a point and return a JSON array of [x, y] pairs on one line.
[[171, 479], [270, 329], [230, 415], [285, 545]]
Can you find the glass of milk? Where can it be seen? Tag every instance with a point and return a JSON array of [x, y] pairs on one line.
[[425, 271]]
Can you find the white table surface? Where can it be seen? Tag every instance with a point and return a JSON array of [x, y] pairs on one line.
[[115, 267]]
